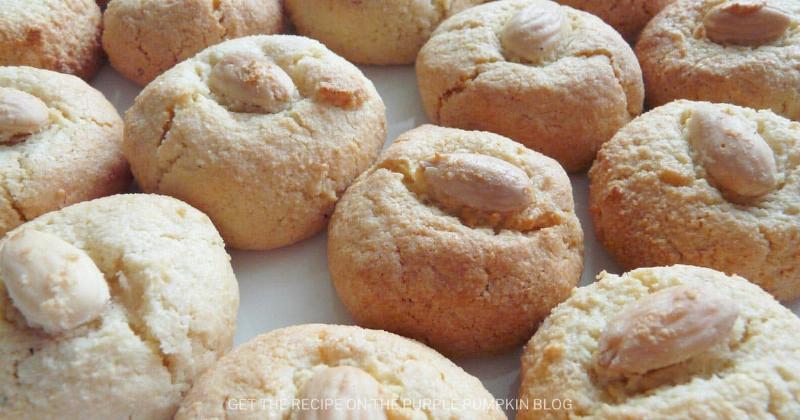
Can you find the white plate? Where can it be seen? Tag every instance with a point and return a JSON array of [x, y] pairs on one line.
[[290, 286]]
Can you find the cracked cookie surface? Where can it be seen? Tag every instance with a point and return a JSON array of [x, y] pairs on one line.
[[564, 106], [376, 31], [75, 156], [461, 279], [144, 38], [628, 17], [274, 369], [653, 202], [172, 314], [679, 61], [58, 35], [266, 178], [751, 373]]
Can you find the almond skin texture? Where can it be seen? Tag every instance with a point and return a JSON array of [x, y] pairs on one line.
[[665, 328], [251, 84], [55, 285], [345, 385], [480, 182], [534, 32], [20, 114], [746, 22], [733, 153]]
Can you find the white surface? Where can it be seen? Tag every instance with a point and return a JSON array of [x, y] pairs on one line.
[[290, 286]]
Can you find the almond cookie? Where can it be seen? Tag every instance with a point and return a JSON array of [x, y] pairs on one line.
[[263, 134], [144, 38], [463, 240], [60, 143], [320, 371], [60, 35], [375, 31], [666, 342], [743, 52], [628, 17], [110, 308], [703, 184], [553, 78]]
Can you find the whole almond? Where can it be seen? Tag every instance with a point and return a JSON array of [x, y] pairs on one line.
[[534, 32], [247, 83], [477, 181], [665, 328], [735, 156], [55, 285], [341, 393], [745, 22], [20, 114]]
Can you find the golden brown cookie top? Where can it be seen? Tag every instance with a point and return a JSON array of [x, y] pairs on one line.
[[662, 342], [385, 375]]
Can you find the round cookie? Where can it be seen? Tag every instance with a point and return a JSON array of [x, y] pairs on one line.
[[160, 309], [463, 240], [553, 78], [60, 143], [628, 17], [145, 38], [59, 35], [263, 134], [291, 372], [726, 353], [742, 52], [703, 184], [373, 32]]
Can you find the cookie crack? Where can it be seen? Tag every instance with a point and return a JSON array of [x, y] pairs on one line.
[[614, 69], [165, 130], [461, 85], [12, 202]]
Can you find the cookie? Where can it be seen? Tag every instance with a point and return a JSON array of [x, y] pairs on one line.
[[667, 342], [297, 372], [59, 35], [263, 134], [372, 32], [742, 52], [145, 38], [628, 17], [463, 240], [145, 301], [60, 143], [703, 184], [553, 78]]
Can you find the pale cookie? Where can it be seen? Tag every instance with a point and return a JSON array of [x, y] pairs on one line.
[[628, 17], [263, 134], [558, 80], [144, 38], [292, 373], [375, 31], [742, 52], [60, 143], [110, 308], [704, 184], [667, 342], [463, 240], [59, 35]]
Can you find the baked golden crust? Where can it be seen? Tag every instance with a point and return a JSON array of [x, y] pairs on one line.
[[372, 32], [680, 62], [565, 107], [266, 179], [402, 263], [628, 17], [58, 35], [752, 374], [172, 314], [76, 157], [653, 203], [273, 368], [146, 38]]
